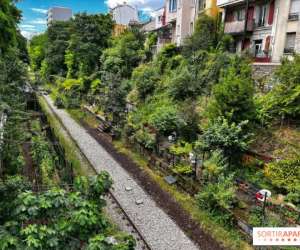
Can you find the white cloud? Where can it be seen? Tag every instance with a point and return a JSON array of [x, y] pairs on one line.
[[42, 11], [140, 4], [147, 7], [29, 34], [27, 26], [38, 21]]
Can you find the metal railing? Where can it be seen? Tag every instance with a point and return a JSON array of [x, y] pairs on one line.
[[294, 16]]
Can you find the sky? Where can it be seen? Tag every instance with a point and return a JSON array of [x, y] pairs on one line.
[[34, 11]]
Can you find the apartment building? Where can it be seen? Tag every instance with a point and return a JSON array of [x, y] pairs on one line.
[[268, 29], [181, 15], [176, 19], [58, 14]]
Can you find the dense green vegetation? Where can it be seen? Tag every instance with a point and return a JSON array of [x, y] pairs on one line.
[[57, 219], [200, 94], [35, 212]]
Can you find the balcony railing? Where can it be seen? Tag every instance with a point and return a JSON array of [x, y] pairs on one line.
[[238, 27], [294, 16], [228, 2], [290, 50]]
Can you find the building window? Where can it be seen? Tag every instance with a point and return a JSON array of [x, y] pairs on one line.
[[201, 5], [290, 42], [262, 13], [173, 5], [240, 15], [258, 51], [294, 10]]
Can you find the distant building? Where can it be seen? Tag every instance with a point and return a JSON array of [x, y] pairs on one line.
[[59, 14], [124, 14]]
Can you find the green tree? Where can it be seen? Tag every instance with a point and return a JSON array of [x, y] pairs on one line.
[[124, 55], [204, 37], [58, 35], [90, 36], [37, 51], [10, 16], [233, 97], [115, 93]]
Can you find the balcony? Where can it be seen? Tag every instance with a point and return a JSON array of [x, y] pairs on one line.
[[293, 16], [238, 27], [223, 3], [290, 50]]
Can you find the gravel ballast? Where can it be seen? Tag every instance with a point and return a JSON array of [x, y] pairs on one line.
[[159, 230]]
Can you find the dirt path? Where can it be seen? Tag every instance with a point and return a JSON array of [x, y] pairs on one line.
[[29, 170]]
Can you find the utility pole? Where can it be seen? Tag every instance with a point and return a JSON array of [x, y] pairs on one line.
[[264, 208]]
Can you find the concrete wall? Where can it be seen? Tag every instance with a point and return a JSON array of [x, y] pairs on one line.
[[261, 70]]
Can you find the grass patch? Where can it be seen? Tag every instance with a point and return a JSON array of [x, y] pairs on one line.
[[79, 115], [229, 237], [73, 155]]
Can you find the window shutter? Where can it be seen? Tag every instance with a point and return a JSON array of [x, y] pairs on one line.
[[271, 12], [267, 45]]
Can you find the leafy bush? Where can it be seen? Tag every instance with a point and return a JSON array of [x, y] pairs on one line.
[[43, 157], [283, 100], [166, 120], [145, 78], [214, 166], [181, 148], [218, 197], [182, 84], [182, 169], [165, 55], [145, 138], [228, 137], [284, 174], [57, 219]]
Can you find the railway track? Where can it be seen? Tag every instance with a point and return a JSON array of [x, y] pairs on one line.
[[129, 225], [114, 204]]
